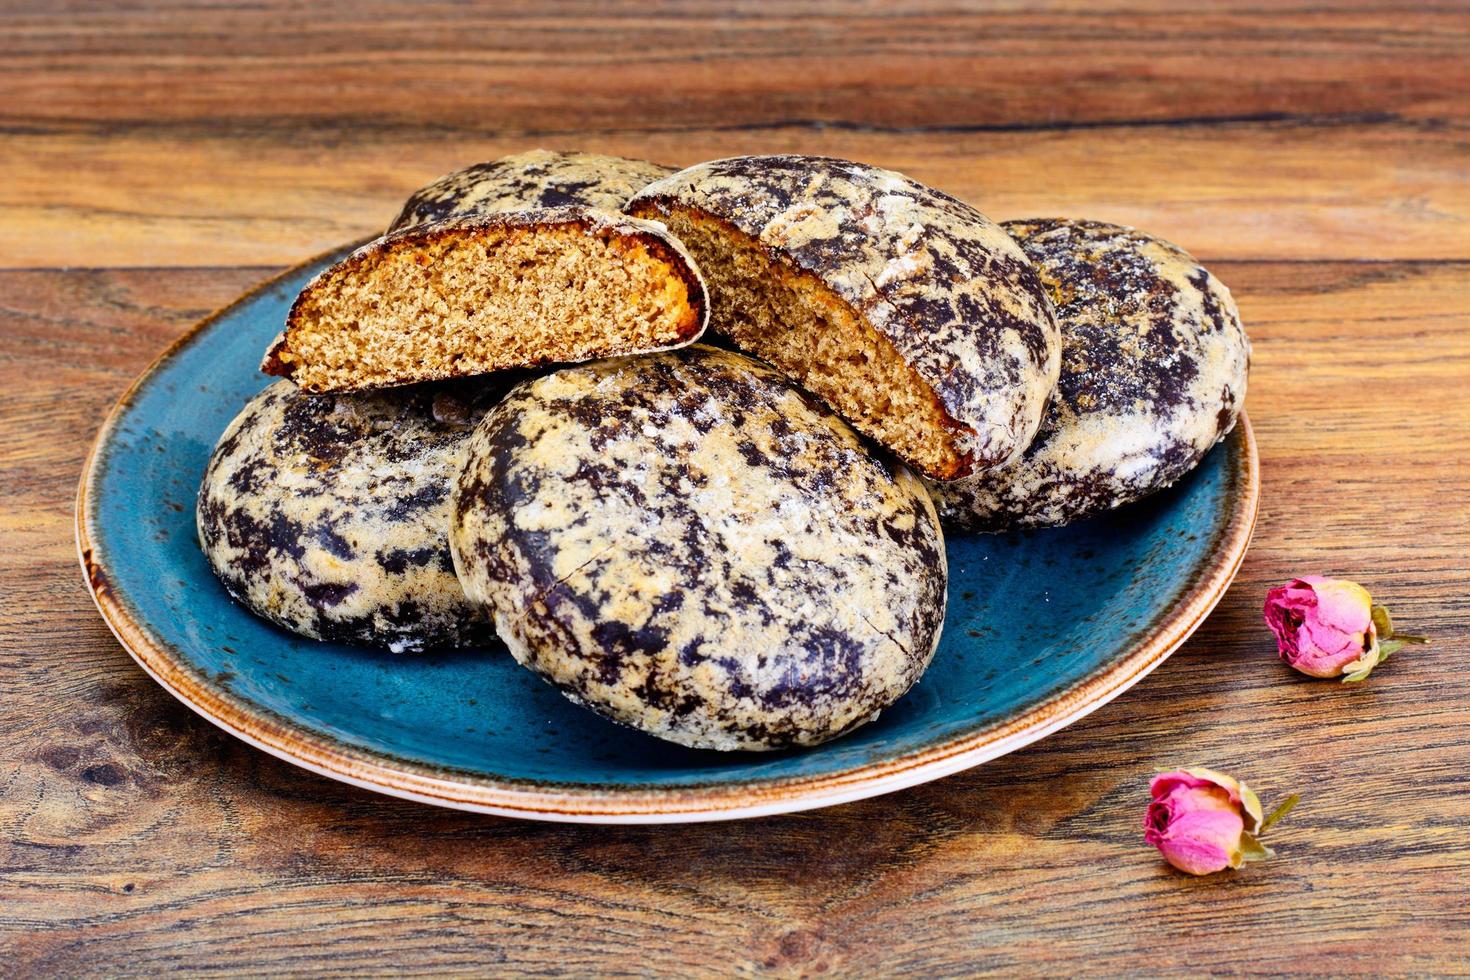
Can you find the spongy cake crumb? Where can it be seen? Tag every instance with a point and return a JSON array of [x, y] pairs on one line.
[[488, 293], [795, 323]]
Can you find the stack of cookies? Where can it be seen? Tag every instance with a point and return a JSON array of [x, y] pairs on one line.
[[498, 420]]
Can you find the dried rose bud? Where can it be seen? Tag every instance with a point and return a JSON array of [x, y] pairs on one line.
[[1203, 821], [1329, 627]]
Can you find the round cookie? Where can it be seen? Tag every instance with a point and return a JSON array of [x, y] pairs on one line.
[[908, 311], [1154, 364], [687, 544], [536, 179], [329, 514]]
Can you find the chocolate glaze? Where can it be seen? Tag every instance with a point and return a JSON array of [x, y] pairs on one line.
[[536, 179], [328, 514], [1154, 365], [688, 545]]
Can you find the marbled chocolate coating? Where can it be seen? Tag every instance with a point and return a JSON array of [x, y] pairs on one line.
[[687, 544], [952, 293], [1154, 364], [535, 179], [329, 514]]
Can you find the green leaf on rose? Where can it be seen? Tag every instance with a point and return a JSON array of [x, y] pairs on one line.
[[1358, 675], [1388, 648], [1253, 850]]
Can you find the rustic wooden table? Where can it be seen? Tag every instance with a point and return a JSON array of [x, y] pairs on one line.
[[158, 158]]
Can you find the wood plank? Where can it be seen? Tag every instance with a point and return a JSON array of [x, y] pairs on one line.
[[134, 837], [204, 134], [1223, 192], [528, 67]]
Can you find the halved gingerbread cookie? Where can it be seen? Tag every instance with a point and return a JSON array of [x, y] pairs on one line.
[[521, 262], [906, 310]]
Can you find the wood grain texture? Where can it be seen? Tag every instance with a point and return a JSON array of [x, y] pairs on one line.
[[1278, 190], [1314, 155], [197, 135]]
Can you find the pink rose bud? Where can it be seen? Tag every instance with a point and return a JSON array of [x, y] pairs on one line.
[[1328, 627], [1203, 821]]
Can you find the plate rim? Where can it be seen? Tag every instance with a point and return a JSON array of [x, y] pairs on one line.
[[607, 805]]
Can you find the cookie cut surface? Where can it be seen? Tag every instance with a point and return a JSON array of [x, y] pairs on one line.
[[329, 514], [478, 275], [1154, 367], [908, 311], [687, 544]]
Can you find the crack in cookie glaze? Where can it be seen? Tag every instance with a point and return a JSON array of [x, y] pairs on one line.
[[1154, 365], [329, 514], [687, 544], [536, 179], [910, 312]]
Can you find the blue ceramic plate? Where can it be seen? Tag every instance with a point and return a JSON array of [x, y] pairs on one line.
[[1043, 627]]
